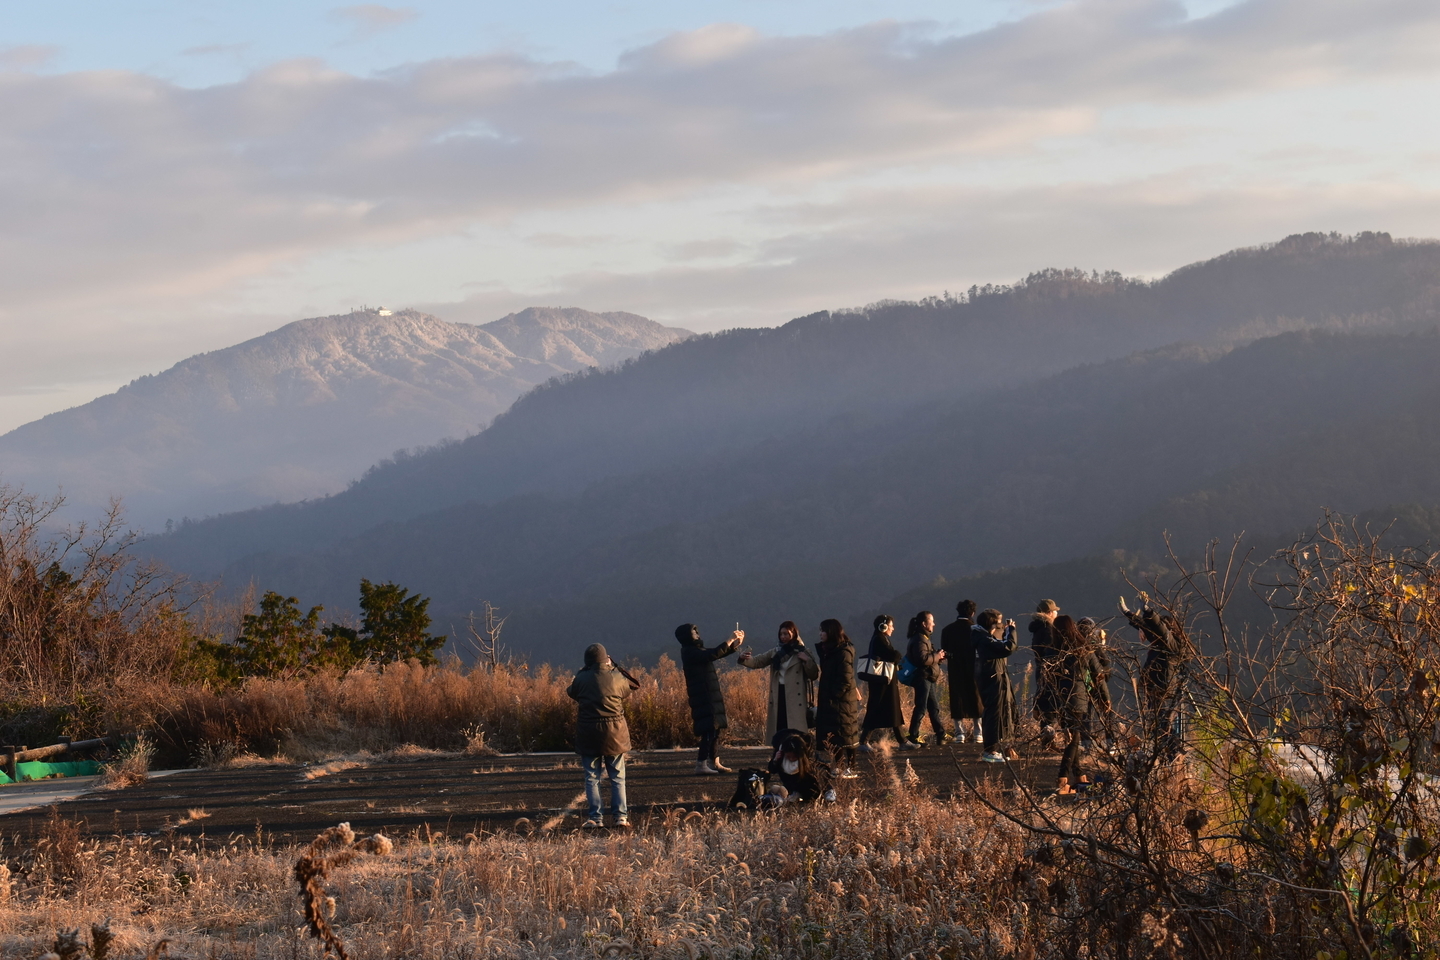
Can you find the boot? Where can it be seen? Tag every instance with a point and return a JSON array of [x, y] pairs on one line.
[[703, 769], [720, 767]]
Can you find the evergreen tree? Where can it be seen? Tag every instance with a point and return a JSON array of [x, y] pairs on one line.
[[394, 627]]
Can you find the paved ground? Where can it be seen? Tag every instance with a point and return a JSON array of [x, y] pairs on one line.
[[455, 795]]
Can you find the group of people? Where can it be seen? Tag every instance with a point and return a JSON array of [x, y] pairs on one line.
[[814, 721]]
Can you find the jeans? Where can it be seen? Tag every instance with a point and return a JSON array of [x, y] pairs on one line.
[[709, 746], [614, 768], [927, 700]]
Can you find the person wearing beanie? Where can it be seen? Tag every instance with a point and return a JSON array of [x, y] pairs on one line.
[[707, 700], [602, 738]]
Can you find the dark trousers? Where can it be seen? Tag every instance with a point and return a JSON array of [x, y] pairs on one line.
[[709, 744], [998, 722], [927, 700]]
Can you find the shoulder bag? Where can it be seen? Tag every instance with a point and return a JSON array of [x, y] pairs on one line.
[[868, 668]]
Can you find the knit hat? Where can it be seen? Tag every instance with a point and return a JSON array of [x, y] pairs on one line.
[[595, 655]]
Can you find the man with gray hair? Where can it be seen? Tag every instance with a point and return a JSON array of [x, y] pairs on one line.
[[602, 737]]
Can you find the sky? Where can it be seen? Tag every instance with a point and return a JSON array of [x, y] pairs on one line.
[[180, 177]]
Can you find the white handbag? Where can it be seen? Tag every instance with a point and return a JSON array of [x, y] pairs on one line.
[[868, 668]]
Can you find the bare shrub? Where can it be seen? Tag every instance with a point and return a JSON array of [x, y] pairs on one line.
[[77, 611], [131, 768]]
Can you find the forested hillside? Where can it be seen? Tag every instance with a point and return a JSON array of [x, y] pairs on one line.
[[823, 467]]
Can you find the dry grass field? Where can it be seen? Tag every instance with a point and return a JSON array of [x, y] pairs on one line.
[[918, 875]]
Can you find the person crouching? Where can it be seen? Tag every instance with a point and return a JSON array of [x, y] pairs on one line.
[[602, 738], [801, 778]]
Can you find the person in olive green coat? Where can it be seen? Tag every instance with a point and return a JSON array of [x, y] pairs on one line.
[[602, 737]]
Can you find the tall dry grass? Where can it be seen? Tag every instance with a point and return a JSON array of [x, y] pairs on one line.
[[857, 880], [510, 708]]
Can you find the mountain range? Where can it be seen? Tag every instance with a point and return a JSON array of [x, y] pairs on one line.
[[839, 462], [303, 410]]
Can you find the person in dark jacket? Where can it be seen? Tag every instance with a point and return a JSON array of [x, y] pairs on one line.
[[1075, 671], [883, 709], [1159, 673], [602, 738], [837, 705], [707, 700], [1042, 647], [994, 642], [959, 649], [926, 681]]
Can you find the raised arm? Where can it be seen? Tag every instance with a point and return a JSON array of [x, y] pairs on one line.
[[760, 659]]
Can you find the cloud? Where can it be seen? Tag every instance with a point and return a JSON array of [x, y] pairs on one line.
[[369, 19], [26, 57], [125, 194]]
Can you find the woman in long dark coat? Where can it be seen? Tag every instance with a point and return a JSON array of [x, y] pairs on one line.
[[994, 642], [707, 700], [883, 709], [837, 708], [959, 649]]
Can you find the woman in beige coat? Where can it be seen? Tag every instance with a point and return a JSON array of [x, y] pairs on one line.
[[792, 671]]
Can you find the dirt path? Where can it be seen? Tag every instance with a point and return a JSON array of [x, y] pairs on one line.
[[456, 795]]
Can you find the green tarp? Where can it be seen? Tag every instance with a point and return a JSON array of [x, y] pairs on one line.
[[39, 770]]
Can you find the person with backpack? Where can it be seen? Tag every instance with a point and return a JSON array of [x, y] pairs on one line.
[[924, 675], [994, 642], [959, 648], [792, 671], [602, 738], [883, 709], [702, 687]]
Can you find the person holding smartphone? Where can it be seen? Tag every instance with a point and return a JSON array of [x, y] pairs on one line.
[[602, 737], [792, 671], [707, 700], [994, 642]]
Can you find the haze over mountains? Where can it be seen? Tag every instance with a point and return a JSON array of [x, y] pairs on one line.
[[826, 466], [302, 411]]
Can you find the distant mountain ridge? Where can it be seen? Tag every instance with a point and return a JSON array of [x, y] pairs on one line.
[[815, 469], [303, 410]]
